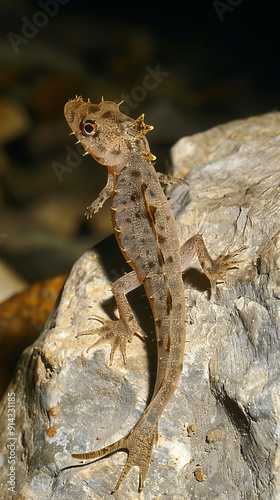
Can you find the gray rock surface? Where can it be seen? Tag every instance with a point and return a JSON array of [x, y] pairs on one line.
[[218, 437]]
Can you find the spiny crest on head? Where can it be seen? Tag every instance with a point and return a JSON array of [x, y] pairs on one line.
[[140, 127], [77, 99], [148, 156]]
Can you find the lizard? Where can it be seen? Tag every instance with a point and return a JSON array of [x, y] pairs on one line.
[[146, 232]]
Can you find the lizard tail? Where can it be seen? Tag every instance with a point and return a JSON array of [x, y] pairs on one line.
[[117, 446]]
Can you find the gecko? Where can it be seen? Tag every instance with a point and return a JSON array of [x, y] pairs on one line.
[[146, 232]]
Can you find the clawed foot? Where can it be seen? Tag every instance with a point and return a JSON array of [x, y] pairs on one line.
[[116, 333], [222, 264], [139, 446], [94, 207], [90, 210]]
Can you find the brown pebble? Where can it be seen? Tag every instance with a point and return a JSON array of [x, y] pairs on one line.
[[216, 435], [53, 411], [51, 432], [191, 429], [198, 474]]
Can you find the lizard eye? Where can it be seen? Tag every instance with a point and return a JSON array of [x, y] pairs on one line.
[[89, 127]]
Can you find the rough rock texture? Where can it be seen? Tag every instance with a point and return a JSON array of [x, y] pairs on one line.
[[218, 438]]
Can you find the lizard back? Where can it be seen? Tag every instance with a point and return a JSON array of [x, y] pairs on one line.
[[146, 232]]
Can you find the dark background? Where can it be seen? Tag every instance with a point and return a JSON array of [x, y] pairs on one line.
[[218, 61]]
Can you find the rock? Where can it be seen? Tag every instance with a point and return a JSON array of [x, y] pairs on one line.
[[68, 400]]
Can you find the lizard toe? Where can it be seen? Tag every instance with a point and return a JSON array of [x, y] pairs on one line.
[[117, 333]]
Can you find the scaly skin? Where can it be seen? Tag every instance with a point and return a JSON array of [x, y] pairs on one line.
[[147, 235]]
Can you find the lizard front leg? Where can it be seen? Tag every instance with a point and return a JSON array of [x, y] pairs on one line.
[[118, 332], [101, 198]]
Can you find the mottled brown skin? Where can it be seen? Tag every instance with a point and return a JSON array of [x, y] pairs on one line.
[[146, 232]]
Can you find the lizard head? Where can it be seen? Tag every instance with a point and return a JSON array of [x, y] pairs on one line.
[[106, 133]]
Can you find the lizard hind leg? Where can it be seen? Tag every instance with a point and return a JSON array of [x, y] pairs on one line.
[[118, 332], [225, 262], [114, 332], [138, 444], [215, 269]]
